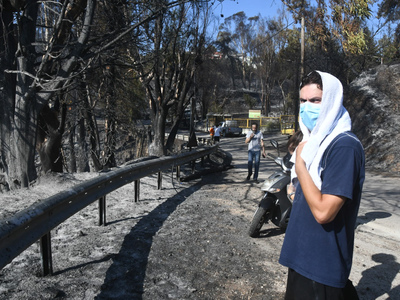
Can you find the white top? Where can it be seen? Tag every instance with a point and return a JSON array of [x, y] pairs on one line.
[[217, 131], [255, 142]]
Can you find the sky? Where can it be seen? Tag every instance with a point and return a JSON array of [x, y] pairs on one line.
[[267, 8]]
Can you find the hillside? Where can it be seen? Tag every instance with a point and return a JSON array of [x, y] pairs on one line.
[[240, 101], [373, 101]]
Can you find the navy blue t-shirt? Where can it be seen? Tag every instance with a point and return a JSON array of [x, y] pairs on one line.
[[324, 253]]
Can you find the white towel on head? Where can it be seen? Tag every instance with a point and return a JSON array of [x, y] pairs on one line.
[[332, 120]]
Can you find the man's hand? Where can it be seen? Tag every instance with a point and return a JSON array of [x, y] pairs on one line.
[[299, 150], [324, 207], [249, 138]]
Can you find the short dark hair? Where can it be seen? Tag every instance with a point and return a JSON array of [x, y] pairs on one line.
[[254, 123], [310, 78]]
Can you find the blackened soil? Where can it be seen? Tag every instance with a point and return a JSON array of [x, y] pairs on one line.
[[203, 252]]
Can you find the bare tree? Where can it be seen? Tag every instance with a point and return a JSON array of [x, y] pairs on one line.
[[41, 56], [176, 38], [33, 86]]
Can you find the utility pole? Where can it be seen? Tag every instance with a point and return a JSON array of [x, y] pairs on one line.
[[302, 44]]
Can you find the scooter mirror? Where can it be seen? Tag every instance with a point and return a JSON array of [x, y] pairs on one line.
[[274, 144], [286, 161]]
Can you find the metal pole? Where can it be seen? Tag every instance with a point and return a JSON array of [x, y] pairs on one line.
[[302, 45], [137, 190], [102, 211], [178, 173], [159, 181], [193, 166], [45, 251]]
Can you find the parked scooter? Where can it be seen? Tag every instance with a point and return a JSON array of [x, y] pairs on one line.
[[276, 204]]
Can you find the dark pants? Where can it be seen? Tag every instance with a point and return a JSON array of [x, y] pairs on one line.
[[302, 288]]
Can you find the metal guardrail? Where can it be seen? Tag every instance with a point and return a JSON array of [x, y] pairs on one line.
[[185, 137], [284, 123], [34, 223], [262, 121]]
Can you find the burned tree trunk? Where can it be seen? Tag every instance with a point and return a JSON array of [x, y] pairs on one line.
[[34, 87], [71, 144], [22, 130], [50, 132]]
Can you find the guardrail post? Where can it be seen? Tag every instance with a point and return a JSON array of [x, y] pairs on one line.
[[193, 163], [178, 173], [159, 181], [137, 190], [102, 210], [45, 251]]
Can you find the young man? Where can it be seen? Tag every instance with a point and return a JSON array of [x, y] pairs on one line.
[[255, 140], [217, 133], [330, 168]]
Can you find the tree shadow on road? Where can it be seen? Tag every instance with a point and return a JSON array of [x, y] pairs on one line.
[[377, 281], [125, 277]]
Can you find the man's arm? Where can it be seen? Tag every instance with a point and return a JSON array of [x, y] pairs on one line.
[[262, 147], [248, 139], [324, 207]]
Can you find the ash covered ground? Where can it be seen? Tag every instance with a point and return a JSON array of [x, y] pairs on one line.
[[189, 240]]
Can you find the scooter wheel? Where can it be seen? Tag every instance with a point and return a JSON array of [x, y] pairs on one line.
[[258, 221]]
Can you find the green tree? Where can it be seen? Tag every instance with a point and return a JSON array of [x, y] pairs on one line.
[[390, 42], [338, 18]]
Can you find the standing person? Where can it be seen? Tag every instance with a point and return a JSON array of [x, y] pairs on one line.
[[217, 133], [292, 144], [255, 140], [330, 167], [212, 132], [294, 141]]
